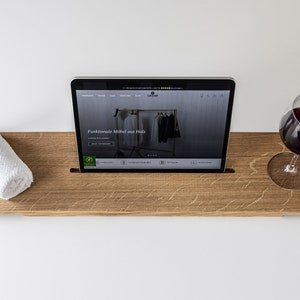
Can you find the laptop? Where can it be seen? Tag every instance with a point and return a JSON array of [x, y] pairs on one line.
[[152, 124]]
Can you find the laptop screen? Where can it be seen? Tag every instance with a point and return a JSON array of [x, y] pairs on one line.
[[152, 124]]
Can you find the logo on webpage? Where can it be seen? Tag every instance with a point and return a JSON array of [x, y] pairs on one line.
[[152, 94]]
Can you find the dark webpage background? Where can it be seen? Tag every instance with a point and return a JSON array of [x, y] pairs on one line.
[[201, 118]]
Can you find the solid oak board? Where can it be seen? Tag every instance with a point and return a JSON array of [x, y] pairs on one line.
[[57, 191]]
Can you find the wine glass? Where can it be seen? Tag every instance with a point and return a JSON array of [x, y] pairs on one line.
[[282, 168]]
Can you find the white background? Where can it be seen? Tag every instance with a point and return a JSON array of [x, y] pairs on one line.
[[44, 44]]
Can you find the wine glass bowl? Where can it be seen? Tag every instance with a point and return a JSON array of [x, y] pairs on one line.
[[282, 168]]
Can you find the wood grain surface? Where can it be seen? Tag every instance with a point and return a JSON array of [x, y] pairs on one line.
[[59, 192]]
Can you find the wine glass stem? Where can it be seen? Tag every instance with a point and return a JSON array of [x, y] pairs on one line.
[[291, 167]]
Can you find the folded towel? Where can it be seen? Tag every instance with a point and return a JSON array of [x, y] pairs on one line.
[[15, 176]]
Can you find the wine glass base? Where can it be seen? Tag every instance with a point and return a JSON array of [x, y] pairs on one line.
[[280, 172]]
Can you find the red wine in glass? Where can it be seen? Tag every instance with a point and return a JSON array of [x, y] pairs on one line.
[[290, 130]]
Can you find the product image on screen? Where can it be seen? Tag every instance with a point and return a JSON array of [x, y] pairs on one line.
[[152, 124]]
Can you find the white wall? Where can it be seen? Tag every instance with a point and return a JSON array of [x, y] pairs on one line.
[[44, 44]]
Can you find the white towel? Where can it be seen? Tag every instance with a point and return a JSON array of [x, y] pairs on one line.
[[15, 176]]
